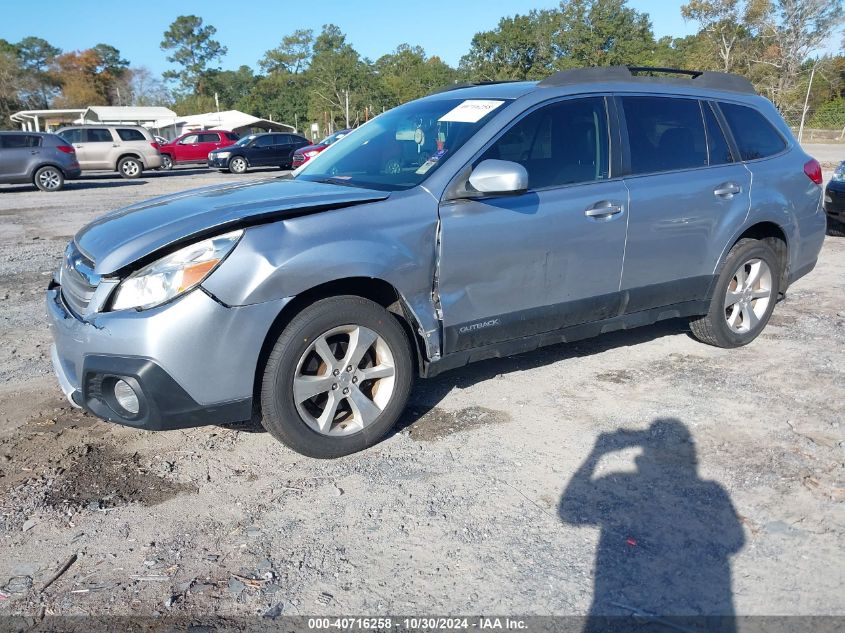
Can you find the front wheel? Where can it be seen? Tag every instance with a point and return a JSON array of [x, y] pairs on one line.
[[237, 165], [337, 379], [744, 297]]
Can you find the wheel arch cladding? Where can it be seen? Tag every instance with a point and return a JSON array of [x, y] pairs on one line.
[[769, 232], [129, 155], [377, 290]]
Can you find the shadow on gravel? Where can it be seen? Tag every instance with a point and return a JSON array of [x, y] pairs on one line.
[[666, 535]]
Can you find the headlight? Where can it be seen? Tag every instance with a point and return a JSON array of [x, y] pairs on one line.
[[221, 155], [174, 274], [312, 153], [839, 174]]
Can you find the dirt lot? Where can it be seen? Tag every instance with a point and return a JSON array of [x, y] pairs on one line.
[[475, 505]]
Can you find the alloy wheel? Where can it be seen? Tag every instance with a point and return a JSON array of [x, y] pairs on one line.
[[131, 168], [748, 295], [344, 380], [49, 179]]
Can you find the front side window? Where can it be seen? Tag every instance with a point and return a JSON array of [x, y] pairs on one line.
[[189, 140], [264, 141], [73, 136], [128, 134], [12, 141], [399, 149], [99, 135], [664, 134], [755, 136], [559, 144]]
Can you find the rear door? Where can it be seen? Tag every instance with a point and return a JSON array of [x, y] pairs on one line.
[[684, 187], [208, 141], [514, 266], [96, 149], [18, 153]]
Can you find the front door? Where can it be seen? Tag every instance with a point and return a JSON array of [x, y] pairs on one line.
[[187, 150], [684, 186], [546, 259]]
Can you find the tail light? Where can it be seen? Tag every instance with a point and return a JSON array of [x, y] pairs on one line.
[[67, 149], [813, 171], [155, 146]]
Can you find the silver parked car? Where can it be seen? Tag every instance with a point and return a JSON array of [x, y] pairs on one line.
[[43, 159], [477, 222], [126, 149]]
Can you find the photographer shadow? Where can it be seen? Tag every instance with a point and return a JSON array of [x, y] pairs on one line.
[[667, 536]]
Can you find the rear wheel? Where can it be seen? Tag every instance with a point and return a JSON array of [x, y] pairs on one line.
[[166, 162], [130, 167], [744, 296], [337, 379], [237, 165], [49, 178]]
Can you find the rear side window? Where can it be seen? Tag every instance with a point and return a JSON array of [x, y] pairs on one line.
[[559, 144], [128, 134], [718, 150], [209, 137], [664, 134], [13, 141], [755, 136]]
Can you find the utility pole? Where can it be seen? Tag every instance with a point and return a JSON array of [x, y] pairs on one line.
[[806, 101], [347, 109]]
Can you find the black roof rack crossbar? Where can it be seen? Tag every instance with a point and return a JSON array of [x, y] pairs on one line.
[[699, 78]]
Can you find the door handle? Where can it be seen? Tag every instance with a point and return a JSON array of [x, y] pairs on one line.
[[603, 210], [727, 190]]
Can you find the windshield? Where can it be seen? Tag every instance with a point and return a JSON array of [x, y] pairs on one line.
[[402, 147], [245, 140], [331, 138]]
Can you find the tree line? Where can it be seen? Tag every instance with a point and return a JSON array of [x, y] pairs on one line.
[[320, 77]]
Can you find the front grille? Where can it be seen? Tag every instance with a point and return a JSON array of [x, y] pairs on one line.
[[77, 279]]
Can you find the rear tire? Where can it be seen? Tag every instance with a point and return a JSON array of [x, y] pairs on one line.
[[49, 178], [744, 297], [166, 162], [130, 167], [355, 358]]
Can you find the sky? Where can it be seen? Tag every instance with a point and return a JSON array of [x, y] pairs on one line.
[[442, 27]]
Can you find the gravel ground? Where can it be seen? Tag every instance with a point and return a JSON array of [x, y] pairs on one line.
[[726, 493]]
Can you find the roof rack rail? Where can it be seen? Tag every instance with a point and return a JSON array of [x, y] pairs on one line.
[[470, 84], [701, 78]]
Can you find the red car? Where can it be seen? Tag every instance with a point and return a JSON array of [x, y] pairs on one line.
[[304, 154], [193, 147]]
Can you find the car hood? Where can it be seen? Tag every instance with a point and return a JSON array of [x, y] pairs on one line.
[[126, 235], [308, 148]]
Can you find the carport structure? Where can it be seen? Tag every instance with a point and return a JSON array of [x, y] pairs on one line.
[[47, 120], [234, 120]]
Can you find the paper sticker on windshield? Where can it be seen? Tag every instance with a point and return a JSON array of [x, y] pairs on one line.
[[471, 111]]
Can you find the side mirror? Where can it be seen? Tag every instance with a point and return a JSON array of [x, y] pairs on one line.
[[499, 177]]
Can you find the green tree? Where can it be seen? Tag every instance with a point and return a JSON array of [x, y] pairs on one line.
[[292, 55], [337, 77], [193, 48], [37, 56], [11, 82], [408, 74]]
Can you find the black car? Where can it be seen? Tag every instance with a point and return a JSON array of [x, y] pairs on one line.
[[834, 202], [272, 149]]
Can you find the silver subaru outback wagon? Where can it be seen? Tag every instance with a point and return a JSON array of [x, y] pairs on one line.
[[477, 222]]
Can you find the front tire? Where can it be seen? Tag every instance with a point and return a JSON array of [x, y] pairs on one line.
[[337, 378], [237, 165], [49, 178], [130, 167], [744, 297], [835, 228]]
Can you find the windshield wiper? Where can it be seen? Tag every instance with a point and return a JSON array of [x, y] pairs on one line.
[[334, 180]]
